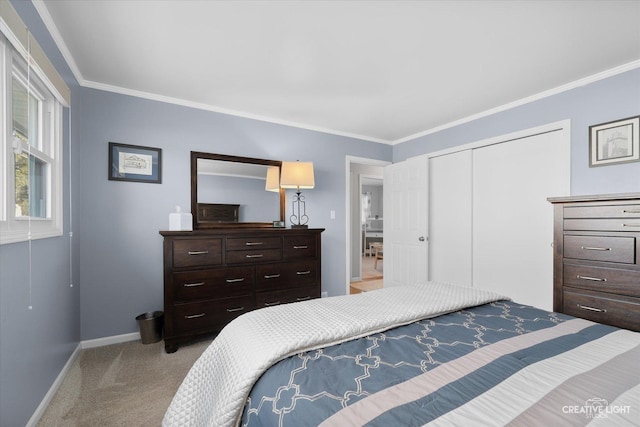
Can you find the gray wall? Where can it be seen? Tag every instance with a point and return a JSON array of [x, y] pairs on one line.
[[35, 344], [606, 100], [121, 259]]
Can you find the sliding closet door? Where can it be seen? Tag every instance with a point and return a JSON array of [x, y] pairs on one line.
[[512, 220], [450, 218]]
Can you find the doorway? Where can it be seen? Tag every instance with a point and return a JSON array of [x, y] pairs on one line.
[[364, 224]]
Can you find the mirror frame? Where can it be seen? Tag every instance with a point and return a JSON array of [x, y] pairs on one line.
[[195, 155]]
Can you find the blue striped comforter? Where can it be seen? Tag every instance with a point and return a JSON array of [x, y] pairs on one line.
[[497, 364]]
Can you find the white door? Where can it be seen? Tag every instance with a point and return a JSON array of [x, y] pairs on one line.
[[512, 219], [405, 195], [450, 218]]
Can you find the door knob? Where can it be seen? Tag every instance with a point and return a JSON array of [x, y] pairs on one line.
[[421, 238]]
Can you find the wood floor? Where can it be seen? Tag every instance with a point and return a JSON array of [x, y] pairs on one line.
[[371, 277]]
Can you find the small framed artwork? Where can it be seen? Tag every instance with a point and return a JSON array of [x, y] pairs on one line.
[[135, 163], [614, 142]]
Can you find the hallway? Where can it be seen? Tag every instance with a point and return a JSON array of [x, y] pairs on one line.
[[371, 277]]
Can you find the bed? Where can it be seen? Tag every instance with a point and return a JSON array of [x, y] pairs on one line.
[[433, 354]]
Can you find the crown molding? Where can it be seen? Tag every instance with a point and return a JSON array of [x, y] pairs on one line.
[[222, 110], [545, 94], [55, 34], [42, 10]]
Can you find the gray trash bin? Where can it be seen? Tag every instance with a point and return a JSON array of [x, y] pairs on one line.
[[150, 325]]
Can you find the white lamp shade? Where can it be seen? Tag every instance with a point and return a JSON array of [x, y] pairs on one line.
[[297, 175], [273, 179]]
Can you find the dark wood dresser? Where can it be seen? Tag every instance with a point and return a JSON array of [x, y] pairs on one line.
[[596, 267], [213, 276]]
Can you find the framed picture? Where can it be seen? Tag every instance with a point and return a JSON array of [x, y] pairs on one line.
[[135, 163], [614, 142]]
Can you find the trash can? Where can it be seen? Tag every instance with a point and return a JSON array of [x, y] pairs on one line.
[[150, 325]]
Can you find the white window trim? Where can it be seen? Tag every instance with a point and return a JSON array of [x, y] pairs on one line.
[[13, 229]]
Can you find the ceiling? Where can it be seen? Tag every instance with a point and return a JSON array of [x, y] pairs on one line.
[[384, 71]]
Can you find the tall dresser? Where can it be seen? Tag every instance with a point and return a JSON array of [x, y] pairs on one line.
[[213, 276], [597, 258]]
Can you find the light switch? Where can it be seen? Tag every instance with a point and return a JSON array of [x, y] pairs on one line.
[[333, 214]]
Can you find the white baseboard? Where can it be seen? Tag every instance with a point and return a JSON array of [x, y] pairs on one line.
[[114, 339], [53, 389], [99, 342]]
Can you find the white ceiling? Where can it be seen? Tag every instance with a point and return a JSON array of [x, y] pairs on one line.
[[385, 71]]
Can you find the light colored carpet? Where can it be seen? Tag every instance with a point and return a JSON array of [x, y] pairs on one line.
[[127, 384]]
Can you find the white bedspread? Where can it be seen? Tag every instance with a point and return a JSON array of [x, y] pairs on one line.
[[215, 390]]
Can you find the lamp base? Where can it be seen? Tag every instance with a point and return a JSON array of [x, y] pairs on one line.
[[299, 226]]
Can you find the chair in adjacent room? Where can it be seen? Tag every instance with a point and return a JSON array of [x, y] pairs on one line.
[[378, 255]]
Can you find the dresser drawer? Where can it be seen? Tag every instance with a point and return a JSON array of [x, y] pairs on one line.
[[209, 315], [623, 282], [631, 224], [252, 256], [286, 275], [268, 299], [600, 248], [197, 252], [605, 308], [245, 243], [211, 276], [208, 284], [299, 247], [607, 211]]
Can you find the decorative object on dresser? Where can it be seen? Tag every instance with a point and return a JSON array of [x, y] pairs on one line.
[[213, 276], [298, 175], [596, 267]]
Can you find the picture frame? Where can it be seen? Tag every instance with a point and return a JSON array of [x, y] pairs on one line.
[[614, 142], [135, 163]]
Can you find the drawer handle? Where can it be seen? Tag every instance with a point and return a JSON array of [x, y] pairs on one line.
[[235, 280], [593, 248], [301, 247], [231, 310], [595, 279], [631, 225], [253, 243], [191, 285], [198, 252], [194, 316], [271, 276], [631, 211], [270, 304], [302, 273], [303, 298], [586, 307], [254, 256]]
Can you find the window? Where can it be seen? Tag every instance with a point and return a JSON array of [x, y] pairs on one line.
[[31, 161]]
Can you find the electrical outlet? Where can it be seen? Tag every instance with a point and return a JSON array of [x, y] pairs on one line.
[[324, 294]]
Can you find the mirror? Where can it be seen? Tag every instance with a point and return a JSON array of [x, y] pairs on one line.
[[229, 192]]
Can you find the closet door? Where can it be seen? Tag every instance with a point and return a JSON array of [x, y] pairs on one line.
[[450, 218], [512, 220]]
